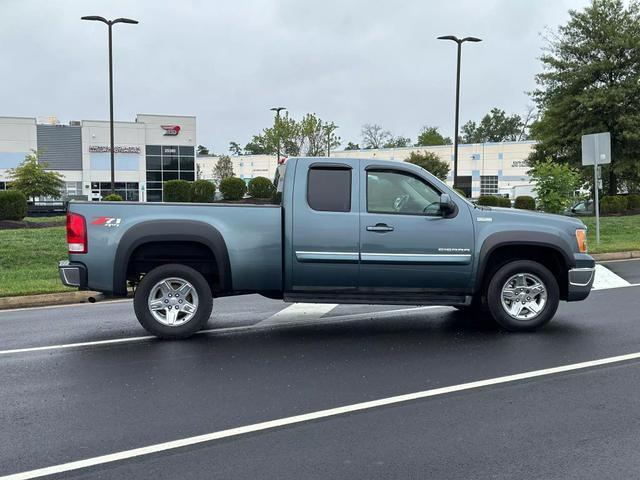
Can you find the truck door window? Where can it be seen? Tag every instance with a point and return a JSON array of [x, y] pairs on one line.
[[400, 193], [329, 189]]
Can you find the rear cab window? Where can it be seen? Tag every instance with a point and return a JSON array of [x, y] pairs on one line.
[[329, 188]]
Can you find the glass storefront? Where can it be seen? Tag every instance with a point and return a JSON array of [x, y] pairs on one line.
[[167, 163], [127, 190]]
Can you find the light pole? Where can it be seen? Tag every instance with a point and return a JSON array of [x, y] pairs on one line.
[[110, 24], [277, 132], [459, 41], [329, 129]]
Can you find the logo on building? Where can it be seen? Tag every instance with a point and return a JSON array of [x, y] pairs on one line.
[[171, 130], [116, 149]]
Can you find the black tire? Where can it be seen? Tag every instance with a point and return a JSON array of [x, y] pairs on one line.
[[494, 295], [184, 330]]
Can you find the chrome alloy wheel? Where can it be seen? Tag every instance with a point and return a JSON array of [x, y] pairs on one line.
[[173, 301], [524, 296]]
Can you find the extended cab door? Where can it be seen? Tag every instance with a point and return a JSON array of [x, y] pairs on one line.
[[407, 245], [325, 234]]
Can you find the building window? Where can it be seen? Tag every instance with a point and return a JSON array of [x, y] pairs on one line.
[[488, 184], [3, 185], [167, 162], [128, 191], [329, 189], [72, 189]]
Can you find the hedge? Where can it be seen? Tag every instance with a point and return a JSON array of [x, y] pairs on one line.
[[633, 201], [203, 191], [233, 188], [613, 204], [494, 201], [525, 202], [261, 187], [112, 197], [177, 191], [13, 205]]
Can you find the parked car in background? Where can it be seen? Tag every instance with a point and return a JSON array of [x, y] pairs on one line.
[[581, 208]]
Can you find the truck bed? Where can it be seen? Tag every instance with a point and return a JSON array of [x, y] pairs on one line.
[[252, 235]]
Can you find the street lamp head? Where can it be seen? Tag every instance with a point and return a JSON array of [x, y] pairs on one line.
[[95, 18], [471, 39], [125, 20], [278, 109], [449, 37]]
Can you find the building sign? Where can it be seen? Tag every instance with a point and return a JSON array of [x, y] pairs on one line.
[[171, 130], [116, 149], [519, 164]]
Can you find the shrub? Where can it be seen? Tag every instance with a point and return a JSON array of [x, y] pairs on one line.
[[112, 197], [261, 187], [556, 184], [613, 204], [633, 201], [233, 188], [525, 202], [177, 191], [504, 202], [202, 191], [488, 200], [13, 205]]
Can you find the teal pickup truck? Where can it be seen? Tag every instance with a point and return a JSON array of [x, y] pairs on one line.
[[347, 231]]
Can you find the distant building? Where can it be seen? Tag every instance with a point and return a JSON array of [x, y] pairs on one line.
[[148, 151], [483, 168]]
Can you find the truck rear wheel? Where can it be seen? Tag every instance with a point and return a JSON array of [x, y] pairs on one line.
[[523, 295], [173, 301]]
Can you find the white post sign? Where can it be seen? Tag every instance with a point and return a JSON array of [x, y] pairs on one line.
[[596, 151]]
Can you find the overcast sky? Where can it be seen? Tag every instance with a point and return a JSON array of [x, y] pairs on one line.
[[227, 62]]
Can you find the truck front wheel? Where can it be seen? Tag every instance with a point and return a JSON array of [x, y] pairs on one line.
[[173, 301], [523, 295]]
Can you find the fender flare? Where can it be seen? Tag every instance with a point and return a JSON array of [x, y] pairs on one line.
[[167, 231], [523, 238]]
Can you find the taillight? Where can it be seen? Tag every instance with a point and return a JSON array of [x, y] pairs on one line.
[[76, 233]]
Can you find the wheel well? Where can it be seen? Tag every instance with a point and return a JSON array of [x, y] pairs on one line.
[[547, 256], [196, 255]]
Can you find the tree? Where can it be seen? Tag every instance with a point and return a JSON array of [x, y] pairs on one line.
[[555, 185], [430, 136], [198, 171], [352, 146], [495, 126], [430, 162], [235, 148], [201, 150], [32, 179], [591, 83], [373, 136], [223, 168], [397, 142]]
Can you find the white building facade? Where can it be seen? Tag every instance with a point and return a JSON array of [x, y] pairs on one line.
[[483, 168], [148, 151]]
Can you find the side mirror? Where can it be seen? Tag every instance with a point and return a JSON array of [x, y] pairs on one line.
[[447, 206]]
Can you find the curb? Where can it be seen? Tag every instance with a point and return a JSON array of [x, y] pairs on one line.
[[48, 299], [603, 257]]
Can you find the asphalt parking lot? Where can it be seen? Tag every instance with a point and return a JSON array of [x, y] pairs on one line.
[[82, 382]]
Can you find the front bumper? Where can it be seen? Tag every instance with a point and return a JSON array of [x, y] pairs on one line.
[[73, 274], [581, 278]]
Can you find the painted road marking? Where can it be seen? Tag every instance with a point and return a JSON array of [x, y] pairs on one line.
[[606, 279], [307, 417], [226, 330], [299, 311]]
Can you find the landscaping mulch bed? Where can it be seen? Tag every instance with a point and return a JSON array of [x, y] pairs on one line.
[[13, 224]]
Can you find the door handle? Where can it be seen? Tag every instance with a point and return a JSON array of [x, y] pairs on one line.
[[380, 228]]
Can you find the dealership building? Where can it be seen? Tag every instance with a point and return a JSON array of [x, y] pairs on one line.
[[483, 168], [148, 151]]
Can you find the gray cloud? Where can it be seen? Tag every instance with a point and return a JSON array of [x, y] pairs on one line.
[[227, 62]]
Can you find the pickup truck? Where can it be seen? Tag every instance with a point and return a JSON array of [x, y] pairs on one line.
[[346, 231]]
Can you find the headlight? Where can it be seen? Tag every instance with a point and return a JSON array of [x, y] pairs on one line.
[[581, 238]]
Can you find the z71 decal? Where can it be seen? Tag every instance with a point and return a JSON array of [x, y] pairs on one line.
[[106, 221]]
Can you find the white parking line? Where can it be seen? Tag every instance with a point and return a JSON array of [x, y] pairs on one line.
[[606, 279], [248, 328], [299, 311], [307, 417]]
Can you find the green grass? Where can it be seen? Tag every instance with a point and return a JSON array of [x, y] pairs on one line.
[[29, 260], [617, 234]]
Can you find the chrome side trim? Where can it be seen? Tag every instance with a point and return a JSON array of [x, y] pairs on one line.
[[313, 256], [451, 258]]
